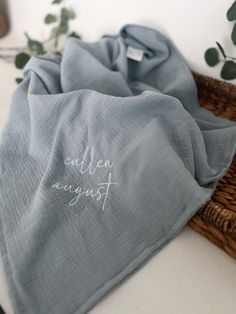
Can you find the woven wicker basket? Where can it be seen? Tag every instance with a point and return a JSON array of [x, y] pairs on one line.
[[217, 219]]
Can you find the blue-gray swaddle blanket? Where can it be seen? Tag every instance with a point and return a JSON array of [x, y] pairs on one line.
[[104, 158]]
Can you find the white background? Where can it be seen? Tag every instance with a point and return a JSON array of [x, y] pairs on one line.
[[190, 275]]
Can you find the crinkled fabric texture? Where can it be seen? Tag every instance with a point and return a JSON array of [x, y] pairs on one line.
[[103, 160]]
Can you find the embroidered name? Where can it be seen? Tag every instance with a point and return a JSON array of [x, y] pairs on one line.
[[88, 166]]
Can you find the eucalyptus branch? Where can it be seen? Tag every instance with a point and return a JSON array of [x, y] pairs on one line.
[[212, 55], [21, 55]]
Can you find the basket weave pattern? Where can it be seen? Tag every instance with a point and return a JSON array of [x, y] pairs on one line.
[[217, 219]]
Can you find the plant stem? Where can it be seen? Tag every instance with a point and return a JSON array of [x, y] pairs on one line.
[[56, 40]]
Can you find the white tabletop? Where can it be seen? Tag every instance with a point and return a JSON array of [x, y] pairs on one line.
[[189, 276]]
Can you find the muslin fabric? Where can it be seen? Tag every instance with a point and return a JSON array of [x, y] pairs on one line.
[[103, 160]]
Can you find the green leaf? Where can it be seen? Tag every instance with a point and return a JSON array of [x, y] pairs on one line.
[[21, 59], [56, 1], [50, 18], [75, 35], [35, 46], [19, 80], [212, 56], [221, 49], [231, 13], [233, 34], [228, 71], [68, 13]]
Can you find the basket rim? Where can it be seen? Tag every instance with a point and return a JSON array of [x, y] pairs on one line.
[[216, 86]]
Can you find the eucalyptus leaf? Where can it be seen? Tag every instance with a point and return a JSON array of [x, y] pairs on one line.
[[212, 56], [56, 1], [231, 13], [35, 46], [21, 59], [233, 34], [50, 18], [68, 13], [221, 49], [64, 22], [19, 80], [228, 71]]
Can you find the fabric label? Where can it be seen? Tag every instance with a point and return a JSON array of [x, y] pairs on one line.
[[134, 54]]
